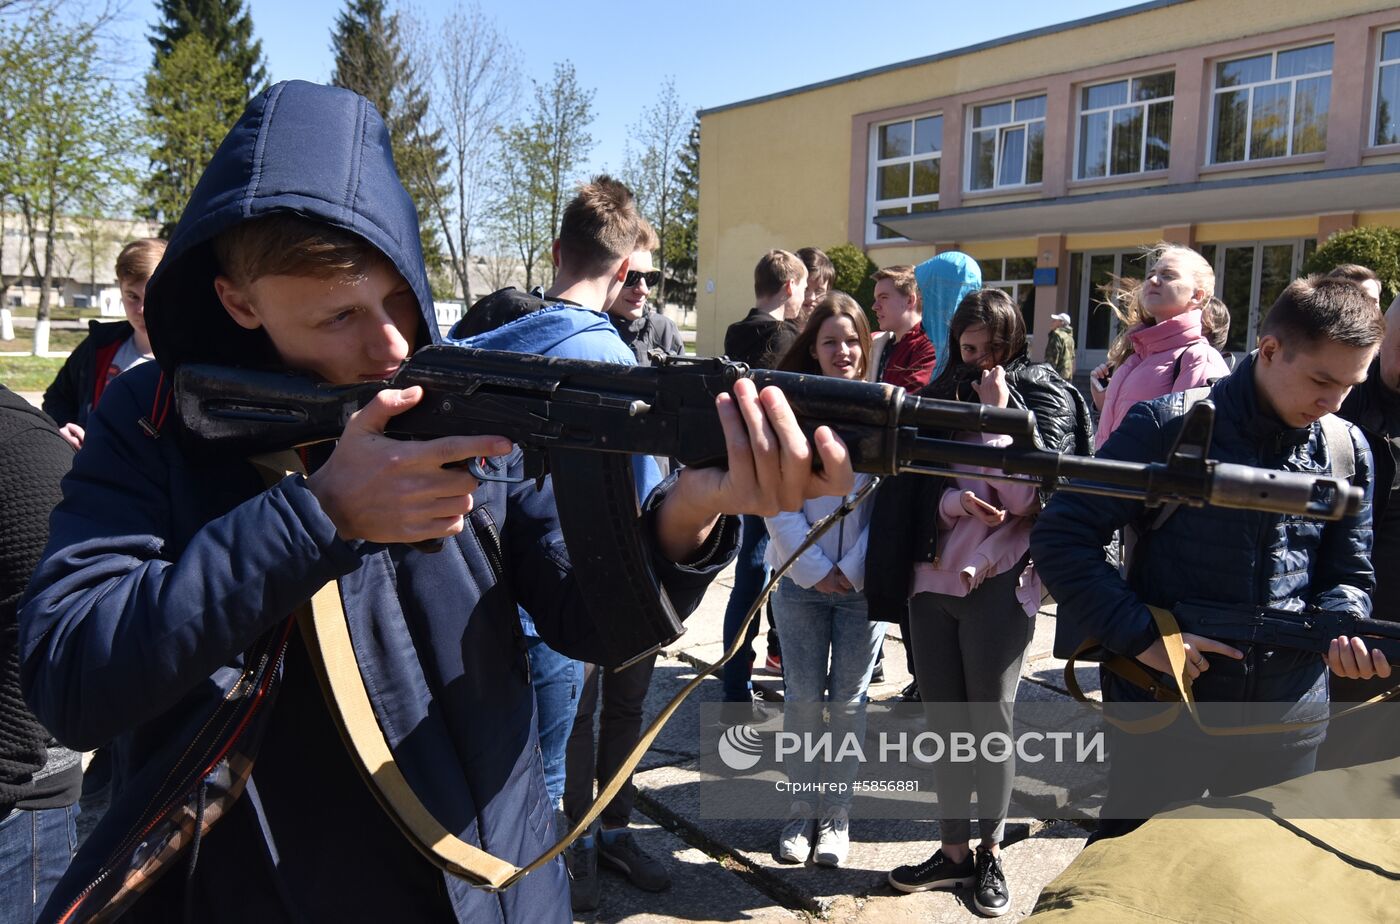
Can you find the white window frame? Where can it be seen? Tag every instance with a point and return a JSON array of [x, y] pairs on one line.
[[1273, 54], [1256, 284], [1381, 63], [1143, 105], [873, 205], [1001, 128]]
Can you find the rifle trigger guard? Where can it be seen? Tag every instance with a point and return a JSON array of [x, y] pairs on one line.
[[483, 468]]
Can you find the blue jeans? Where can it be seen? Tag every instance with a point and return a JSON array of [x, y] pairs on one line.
[[35, 850], [750, 574], [558, 680], [829, 648]]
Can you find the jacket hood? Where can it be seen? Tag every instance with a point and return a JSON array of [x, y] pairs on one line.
[[944, 281], [320, 152]]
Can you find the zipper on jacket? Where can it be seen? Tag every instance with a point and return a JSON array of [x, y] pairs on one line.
[[489, 538]]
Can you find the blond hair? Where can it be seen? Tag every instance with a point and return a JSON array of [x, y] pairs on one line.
[[1124, 294], [138, 260], [287, 244]]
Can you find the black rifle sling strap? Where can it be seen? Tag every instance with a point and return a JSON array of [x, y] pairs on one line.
[[326, 633]]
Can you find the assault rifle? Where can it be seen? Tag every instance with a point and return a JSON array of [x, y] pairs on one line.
[[1308, 630], [579, 420]]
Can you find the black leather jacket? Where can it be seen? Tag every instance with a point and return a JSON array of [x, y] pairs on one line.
[[904, 524]]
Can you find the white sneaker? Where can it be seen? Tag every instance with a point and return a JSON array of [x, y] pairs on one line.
[[833, 837], [795, 843]]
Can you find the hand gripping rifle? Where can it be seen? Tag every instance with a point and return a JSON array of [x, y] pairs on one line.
[[580, 421]]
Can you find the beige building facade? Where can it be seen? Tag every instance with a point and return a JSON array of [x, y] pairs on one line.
[[1249, 129]]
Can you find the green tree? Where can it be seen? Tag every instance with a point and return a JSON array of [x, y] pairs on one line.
[[681, 249], [853, 270], [559, 125], [192, 99], [1376, 247], [663, 132], [65, 135], [370, 59], [224, 24], [522, 204]]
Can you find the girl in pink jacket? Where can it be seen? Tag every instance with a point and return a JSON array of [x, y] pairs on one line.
[[1164, 350]]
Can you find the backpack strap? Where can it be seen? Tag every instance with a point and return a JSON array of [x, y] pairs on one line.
[[1341, 451]]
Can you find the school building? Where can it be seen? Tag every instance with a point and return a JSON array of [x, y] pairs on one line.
[[1248, 129]]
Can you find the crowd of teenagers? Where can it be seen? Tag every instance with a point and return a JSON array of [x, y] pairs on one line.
[[150, 579]]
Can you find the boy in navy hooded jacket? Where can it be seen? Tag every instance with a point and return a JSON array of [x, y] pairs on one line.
[[171, 569]]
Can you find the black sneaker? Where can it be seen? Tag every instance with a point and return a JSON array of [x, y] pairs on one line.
[[910, 694], [581, 860], [937, 872], [990, 897], [623, 854]]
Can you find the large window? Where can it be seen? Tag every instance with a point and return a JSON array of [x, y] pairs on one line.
[[1125, 126], [1007, 143], [1095, 323], [1249, 277], [1271, 105], [1014, 276], [905, 158], [1388, 90]]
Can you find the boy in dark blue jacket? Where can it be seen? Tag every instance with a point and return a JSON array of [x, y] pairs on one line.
[[1315, 346], [158, 619]]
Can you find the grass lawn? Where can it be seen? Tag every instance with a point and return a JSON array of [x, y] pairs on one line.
[[28, 373]]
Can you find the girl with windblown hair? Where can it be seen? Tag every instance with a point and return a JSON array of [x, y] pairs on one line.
[[1164, 348]]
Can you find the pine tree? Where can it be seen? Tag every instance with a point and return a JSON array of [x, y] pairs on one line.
[[192, 99], [224, 24], [682, 244], [370, 59]]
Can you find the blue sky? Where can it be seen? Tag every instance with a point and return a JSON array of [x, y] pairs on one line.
[[718, 52]]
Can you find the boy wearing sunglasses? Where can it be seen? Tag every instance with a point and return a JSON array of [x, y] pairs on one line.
[[642, 327]]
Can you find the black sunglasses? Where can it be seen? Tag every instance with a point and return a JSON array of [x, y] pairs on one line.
[[635, 276]]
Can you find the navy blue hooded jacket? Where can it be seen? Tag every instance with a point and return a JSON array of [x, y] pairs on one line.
[[1208, 554], [167, 561]]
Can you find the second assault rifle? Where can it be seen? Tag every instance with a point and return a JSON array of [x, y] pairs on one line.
[[1308, 630], [580, 421]]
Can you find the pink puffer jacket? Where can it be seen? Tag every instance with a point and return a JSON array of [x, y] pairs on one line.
[[1151, 370]]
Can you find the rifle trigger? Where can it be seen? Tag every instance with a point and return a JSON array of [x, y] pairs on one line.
[[482, 468]]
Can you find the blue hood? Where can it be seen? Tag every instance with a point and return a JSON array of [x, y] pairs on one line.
[[944, 281], [321, 152]]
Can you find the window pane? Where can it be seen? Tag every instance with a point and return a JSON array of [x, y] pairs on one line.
[[1100, 326], [1309, 60], [926, 177], [1234, 292], [1245, 70], [1276, 272], [1231, 116], [1035, 151], [1093, 144], [1310, 115], [892, 182], [1309, 248], [1019, 268], [991, 269], [1390, 46], [993, 114], [882, 233], [1268, 127], [1011, 169], [1159, 136], [1127, 140], [895, 140], [1078, 309], [984, 164], [1032, 107], [928, 135], [1208, 251], [1105, 94], [1154, 86], [930, 206], [1388, 105]]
